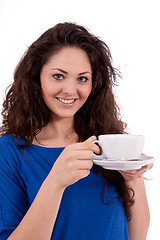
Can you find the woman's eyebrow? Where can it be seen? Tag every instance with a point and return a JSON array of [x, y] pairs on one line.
[[84, 73], [60, 70], [67, 72]]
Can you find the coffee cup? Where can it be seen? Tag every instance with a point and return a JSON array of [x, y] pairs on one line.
[[121, 147]]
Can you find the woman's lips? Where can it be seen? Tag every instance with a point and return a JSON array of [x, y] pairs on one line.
[[66, 102]]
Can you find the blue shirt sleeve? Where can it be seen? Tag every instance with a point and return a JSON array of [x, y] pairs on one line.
[[13, 200]]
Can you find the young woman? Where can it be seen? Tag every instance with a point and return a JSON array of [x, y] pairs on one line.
[[60, 101]]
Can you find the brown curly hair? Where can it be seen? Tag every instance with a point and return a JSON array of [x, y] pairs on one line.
[[25, 113]]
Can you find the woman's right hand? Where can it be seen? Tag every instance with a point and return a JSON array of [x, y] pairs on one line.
[[74, 162]]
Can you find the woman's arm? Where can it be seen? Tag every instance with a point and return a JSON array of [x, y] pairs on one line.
[[139, 223], [39, 221], [73, 164]]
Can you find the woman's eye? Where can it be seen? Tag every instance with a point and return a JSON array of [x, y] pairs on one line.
[[82, 79], [58, 76]]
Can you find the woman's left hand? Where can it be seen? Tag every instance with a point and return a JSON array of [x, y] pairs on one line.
[[131, 175]]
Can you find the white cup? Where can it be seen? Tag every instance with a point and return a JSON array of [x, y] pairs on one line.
[[120, 146]]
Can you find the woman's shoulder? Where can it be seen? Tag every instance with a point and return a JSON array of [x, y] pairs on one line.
[[7, 140], [8, 145], [8, 154]]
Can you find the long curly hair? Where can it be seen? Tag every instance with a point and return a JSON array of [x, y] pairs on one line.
[[25, 113]]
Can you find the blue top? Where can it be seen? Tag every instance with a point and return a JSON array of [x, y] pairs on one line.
[[82, 214]]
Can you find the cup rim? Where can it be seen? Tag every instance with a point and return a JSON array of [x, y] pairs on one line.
[[120, 135]]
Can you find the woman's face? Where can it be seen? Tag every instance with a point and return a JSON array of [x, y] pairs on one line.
[[66, 81]]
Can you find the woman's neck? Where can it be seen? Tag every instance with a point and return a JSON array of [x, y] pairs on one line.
[[57, 133]]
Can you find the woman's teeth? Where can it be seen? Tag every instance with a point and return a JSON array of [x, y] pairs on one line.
[[66, 100]]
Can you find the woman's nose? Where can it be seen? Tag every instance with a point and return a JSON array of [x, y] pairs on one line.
[[69, 87]]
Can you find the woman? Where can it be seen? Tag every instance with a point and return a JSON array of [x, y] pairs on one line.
[[61, 99]]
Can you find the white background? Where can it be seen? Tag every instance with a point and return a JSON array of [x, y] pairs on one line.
[[131, 30]]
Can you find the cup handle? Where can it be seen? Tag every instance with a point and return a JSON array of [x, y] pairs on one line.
[[95, 156]]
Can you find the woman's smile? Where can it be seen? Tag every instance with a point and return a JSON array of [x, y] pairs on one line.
[[65, 102]]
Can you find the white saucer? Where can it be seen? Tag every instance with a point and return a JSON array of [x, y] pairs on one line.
[[123, 165]]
